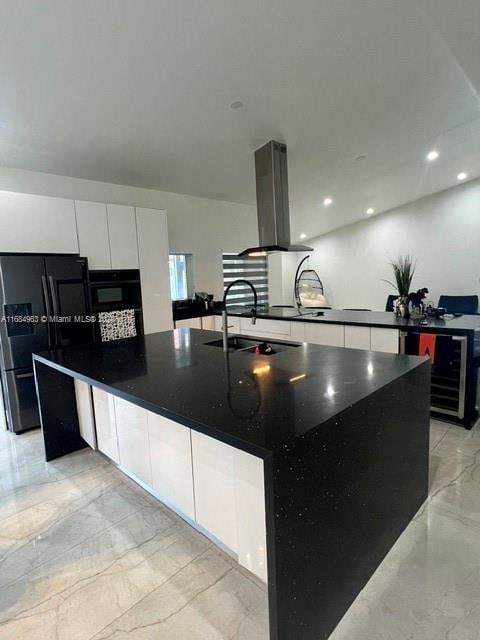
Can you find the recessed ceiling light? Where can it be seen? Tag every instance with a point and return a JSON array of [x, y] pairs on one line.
[[432, 155], [303, 236], [369, 211], [327, 202], [462, 176], [236, 104]]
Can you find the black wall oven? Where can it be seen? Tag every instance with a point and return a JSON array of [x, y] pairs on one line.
[[117, 290]]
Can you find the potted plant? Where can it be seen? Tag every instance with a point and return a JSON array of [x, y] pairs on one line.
[[403, 270]]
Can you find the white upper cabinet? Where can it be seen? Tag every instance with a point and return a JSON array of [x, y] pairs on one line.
[[37, 224], [92, 231], [122, 230], [152, 235]]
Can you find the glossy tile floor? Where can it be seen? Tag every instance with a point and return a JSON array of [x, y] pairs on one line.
[[85, 553]]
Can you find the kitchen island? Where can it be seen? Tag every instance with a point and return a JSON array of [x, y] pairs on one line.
[[305, 465]]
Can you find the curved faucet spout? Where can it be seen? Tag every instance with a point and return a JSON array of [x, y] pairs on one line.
[[224, 311]]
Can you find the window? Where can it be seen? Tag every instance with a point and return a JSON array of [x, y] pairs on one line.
[[254, 269], [178, 276]]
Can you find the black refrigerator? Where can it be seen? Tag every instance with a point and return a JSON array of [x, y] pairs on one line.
[[45, 303]]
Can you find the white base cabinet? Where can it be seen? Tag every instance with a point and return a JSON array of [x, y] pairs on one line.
[[86, 420], [133, 442], [171, 462], [208, 323], [233, 325], [230, 499], [216, 486], [105, 424], [250, 513], [322, 333], [332, 335], [214, 478], [386, 340], [357, 337], [191, 323]]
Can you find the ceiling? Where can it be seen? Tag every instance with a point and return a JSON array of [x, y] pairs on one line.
[[138, 92]]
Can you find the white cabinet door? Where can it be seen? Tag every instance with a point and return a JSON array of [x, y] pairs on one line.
[[265, 327], [386, 340], [214, 481], [357, 337], [86, 420], [326, 334], [233, 325], [37, 224], [92, 231], [297, 331], [152, 235], [250, 506], [105, 425], [191, 323], [133, 443], [171, 461], [208, 323], [122, 230]]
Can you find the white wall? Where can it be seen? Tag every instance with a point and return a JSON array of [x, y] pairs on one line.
[[442, 232], [198, 226]]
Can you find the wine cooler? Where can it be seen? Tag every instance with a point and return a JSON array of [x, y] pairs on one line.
[[449, 369]]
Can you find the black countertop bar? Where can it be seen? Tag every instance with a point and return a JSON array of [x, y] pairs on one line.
[[254, 402], [462, 325]]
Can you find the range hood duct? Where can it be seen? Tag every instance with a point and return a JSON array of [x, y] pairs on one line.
[[272, 201]]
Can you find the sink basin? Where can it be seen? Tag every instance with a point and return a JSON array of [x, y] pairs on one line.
[[253, 345]]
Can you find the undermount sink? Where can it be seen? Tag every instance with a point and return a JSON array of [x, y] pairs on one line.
[[252, 345]]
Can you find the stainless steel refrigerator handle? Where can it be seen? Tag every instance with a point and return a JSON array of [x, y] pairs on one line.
[[55, 308], [48, 310], [463, 374], [54, 296]]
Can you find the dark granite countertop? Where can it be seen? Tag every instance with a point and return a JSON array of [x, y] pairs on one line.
[[254, 402], [464, 324]]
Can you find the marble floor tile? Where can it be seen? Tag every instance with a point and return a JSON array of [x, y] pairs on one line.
[[427, 588], [85, 554], [210, 599], [438, 429], [461, 440]]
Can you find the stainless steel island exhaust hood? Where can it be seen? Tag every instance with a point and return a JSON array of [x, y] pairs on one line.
[[272, 201]]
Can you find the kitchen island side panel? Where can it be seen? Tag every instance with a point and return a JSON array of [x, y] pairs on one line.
[[337, 500], [58, 411]]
